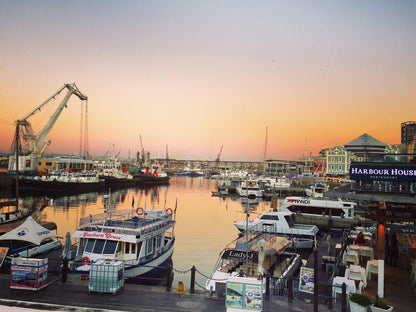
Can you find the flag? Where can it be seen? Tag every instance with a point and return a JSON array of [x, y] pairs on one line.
[[132, 203]]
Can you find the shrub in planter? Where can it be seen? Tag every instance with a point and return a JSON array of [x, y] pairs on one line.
[[380, 305], [359, 302]]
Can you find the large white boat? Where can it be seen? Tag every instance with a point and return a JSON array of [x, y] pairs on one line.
[[301, 236], [253, 256], [319, 207], [249, 189], [143, 239]]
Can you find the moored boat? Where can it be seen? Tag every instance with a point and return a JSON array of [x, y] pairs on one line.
[[249, 189], [301, 236], [253, 256], [62, 182], [142, 239]]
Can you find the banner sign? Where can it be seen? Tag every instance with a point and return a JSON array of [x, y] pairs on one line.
[[383, 172], [306, 280]]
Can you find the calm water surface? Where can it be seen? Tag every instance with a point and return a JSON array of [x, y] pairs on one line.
[[204, 224]]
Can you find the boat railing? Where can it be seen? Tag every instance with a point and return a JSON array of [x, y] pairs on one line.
[[126, 222]]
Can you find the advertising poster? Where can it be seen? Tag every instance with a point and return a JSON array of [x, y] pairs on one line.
[[306, 280], [253, 297], [234, 297], [28, 273], [244, 294]]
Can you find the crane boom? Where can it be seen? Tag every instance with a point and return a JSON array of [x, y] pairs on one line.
[[35, 143]]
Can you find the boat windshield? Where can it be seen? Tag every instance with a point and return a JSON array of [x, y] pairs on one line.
[[289, 220], [100, 246]]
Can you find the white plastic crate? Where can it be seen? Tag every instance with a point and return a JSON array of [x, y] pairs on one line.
[[106, 276]]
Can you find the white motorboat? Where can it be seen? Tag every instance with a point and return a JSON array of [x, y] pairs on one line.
[[316, 190], [249, 189], [301, 236], [319, 207], [142, 238], [253, 256]]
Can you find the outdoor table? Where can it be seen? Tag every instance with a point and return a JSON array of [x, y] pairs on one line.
[[372, 267], [357, 273], [337, 283], [351, 255]]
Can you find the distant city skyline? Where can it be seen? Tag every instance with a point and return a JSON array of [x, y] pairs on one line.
[[195, 76]]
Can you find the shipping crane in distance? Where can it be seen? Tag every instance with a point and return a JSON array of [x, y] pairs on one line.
[[32, 145], [217, 161], [142, 151]]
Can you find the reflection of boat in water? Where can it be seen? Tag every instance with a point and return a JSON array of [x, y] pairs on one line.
[[29, 239], [301, 236], [143, 239], [252, 256]]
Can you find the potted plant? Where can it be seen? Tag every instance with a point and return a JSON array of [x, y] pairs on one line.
[[359, 302], [380, 305]]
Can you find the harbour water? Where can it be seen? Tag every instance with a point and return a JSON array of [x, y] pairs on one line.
[[204, 224]]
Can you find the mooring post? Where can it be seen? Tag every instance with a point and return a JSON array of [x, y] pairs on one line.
[[290, 289], [344, 298], [169, 277], [64, 276], [315, 279], [192, 287], [267, 286]]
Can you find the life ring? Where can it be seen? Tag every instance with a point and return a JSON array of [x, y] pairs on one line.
[[85, 261], [139, 211], [169, 211]]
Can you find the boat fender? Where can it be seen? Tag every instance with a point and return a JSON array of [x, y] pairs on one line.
[[139, 211], [85, 261], [169, 211]]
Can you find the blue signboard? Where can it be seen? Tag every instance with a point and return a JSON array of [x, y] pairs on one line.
[[383, 172]]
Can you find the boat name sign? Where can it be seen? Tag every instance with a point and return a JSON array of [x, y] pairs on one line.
[[299, 201], [108, 236], [240, 256]]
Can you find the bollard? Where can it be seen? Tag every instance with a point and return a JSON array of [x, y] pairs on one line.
[[181, 288], [267, 286], [64, 276], [344, 298], [290, 289], [192, 287], [169, 277]]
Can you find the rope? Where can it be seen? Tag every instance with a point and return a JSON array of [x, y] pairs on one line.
[[205, 275], [181, 272]]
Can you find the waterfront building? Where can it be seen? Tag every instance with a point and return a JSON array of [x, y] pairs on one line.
[[338, 161], [408, 129], [366, 148]]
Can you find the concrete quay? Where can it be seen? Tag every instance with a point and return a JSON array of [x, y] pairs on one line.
[[58, 296]]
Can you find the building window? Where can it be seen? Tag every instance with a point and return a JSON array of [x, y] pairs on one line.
[[340, 159], [339, 167], [332, 167]]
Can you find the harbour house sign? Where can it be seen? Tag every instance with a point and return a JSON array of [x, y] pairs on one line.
[[383, 172]]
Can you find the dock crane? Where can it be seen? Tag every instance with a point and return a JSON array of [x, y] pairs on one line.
[[217, 161], [31, 144]]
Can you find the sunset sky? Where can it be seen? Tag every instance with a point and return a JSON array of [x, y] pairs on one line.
[[196, 75]]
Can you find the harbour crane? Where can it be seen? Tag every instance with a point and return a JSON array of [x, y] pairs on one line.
[[31, 144], [217, 161]]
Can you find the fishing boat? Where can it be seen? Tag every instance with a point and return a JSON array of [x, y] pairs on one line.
[[253, 255], [29, 239], [141, 238], [301, 236], [62, 182]]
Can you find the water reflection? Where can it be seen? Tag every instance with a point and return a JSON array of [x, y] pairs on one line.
[[204, 224]]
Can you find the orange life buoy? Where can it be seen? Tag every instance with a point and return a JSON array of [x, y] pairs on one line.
[[169, 211], [85, 260], [139, 211]]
